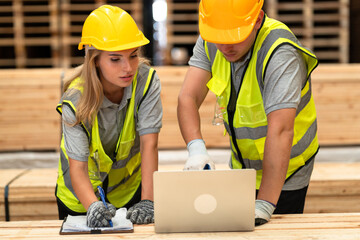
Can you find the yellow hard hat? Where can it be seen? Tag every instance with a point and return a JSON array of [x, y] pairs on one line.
[[228, 21], [110, 28]]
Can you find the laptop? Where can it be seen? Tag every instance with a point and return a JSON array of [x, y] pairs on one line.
[[204, 201]]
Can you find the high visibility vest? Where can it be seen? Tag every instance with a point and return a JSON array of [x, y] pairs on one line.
[[245, 119], [124, 172]]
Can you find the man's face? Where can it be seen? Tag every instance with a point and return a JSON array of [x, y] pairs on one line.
[[237, 52]]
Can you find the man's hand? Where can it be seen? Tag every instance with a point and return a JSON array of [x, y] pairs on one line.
[[142, 212], [263, 212], [98, 216], [198, 156]]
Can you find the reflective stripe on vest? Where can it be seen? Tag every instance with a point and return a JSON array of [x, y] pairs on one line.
[[124, 172], [246, 120]]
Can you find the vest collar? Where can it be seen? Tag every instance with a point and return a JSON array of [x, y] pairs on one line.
[[124, 101]]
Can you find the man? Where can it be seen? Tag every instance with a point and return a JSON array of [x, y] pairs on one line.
[[261, 75]]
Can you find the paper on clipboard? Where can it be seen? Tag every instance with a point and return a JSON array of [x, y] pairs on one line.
[[77, 225]]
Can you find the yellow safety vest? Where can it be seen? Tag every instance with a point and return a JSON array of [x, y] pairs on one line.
[[246, 120], [124, 173]]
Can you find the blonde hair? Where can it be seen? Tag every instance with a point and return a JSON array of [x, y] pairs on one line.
[[93, 94]]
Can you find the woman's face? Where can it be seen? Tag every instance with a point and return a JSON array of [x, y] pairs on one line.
[[117, 69]]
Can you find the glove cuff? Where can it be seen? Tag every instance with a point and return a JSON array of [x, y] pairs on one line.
[[197, 147], [267, 202], [266, 206]]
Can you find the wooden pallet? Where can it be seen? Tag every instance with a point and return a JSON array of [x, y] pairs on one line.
[[182, 28], [322, 26], [30, 30], [46, 33]]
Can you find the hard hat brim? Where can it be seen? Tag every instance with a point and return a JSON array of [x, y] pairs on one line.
[[225, 36], [93, 43]]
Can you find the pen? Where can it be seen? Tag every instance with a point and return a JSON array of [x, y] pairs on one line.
[[207, 167], [102, 196]]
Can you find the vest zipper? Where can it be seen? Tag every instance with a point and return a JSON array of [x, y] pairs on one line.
[[231, 108]]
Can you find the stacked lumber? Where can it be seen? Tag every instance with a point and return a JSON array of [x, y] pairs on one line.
[[334, 188], [31, 195], [336, 94], [6, 176], [28, 119], [321, 25]]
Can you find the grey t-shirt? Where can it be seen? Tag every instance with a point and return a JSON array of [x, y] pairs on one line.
[[284, 78], [111, 118]]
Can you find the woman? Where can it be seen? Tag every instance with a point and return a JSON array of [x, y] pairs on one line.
[[111, 112]]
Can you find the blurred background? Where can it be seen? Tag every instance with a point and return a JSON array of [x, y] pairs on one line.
[[38, 47], [38, 33]]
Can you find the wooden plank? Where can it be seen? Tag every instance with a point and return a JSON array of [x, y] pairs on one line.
[[183, 6], [20, 52], [291, 226]]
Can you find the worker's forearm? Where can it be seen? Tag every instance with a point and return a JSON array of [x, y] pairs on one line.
[[149, 164], [275, 165], [81, 183], [189, 119]]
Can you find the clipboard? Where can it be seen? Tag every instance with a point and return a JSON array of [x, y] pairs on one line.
[[77, 225]]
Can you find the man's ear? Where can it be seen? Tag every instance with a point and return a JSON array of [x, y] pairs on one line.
[[259, 19]]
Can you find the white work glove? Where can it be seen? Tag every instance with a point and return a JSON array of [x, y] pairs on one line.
[[263, 212], [198, 156]]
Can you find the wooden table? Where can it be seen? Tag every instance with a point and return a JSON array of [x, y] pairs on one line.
[[305, 226]]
